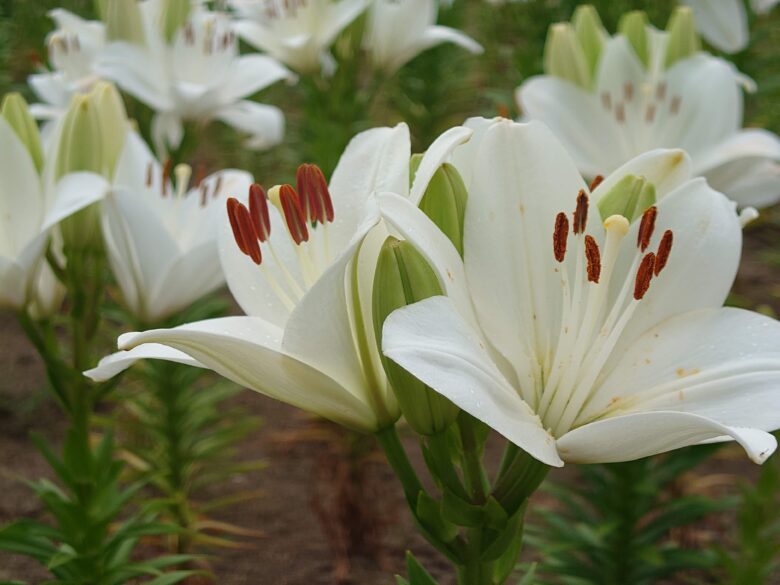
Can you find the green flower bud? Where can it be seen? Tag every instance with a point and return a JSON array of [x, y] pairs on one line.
[[80, 149], [14, 110], [404, 277], [81, 142], [630, 197], [173, 16], [683, 39], [564, 56], [123, 21], [591, 34], [633, 25], [113, 124], [444, 202]]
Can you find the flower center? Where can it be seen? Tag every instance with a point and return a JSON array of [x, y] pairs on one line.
[[592, 319], [277, 9], [67, 56], [307, 211], [646, 103]]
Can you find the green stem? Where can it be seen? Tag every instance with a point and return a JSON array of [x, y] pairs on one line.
[[473, 471], [396, 456]]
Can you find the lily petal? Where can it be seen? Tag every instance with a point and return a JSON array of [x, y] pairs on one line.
[[437, 154], [723, 23], [113, 364], [264, 124], [252, 73], [434, 343], [665, 169], [74, 192], [248, 351], [633, 436]]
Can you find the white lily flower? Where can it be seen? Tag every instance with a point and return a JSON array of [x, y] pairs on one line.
[[73, 49], [302, 270], [160, 235], [724, 23], [399, 30], [298, 33], [30, 206], [584, 340], [199, 76], [696, 105]]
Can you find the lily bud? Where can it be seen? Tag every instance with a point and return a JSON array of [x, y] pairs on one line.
[[591, 34], [564, 56], [633, 25], [123, 21], [81, 142], [113, 124], [683, 38], [630, 198], [14, 110], [173, 16], [404, 277], [444, 202], [80, 149]]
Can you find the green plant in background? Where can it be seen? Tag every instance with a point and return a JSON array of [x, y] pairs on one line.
[[614, 522], [755, 556]]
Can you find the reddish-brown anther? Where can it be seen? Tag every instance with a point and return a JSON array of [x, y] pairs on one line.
[[581, 212], [315, 196], [232, 205], [593, 255], [293, 214], [664, 249], [166, 176], [644, 275], [149, 174], [646, 228], [248, 234], [258, 210], [598, 180], [560, 236]]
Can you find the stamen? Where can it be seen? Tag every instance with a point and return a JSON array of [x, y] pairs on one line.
[[596, 182], [593, 256], [217, 187], [660, 91], [620, 113], [643, 276], [293, 214], [581, 213], [674, 107], [313, 190], [646, 228], [232, 204], [258, 210], [650, 114], [242, 222], [606, 100], [560, 236], [149, 174], [166, 176], [662, 255], [628, 91]]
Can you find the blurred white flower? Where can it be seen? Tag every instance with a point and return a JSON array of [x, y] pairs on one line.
[[197, 76], [296, 32], [73, 49], [31, 205], [595, 339], [302, 266], [724, 23], [160, 235], [637, 100], [399, 30]]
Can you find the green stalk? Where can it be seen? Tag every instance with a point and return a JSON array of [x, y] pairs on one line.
[[396, 456]]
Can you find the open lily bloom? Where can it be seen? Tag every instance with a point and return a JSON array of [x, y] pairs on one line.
[[399, 30], [302, 270], [630, 108], [588, 340], [160, 235], [199, 76], [30, 206], [73, 49], [298, 33], [724, 23]]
